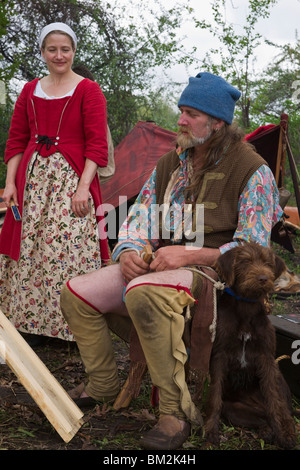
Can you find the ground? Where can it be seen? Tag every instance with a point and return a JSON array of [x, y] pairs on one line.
[[23, 426]]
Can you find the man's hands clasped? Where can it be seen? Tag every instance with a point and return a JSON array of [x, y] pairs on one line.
[[165, 258]]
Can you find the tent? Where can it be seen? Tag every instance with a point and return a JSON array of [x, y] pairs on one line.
[[137, 155], [272, 143], [135, 158]]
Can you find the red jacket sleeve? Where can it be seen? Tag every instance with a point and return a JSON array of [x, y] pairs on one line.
[[95, 125], [19, 132]]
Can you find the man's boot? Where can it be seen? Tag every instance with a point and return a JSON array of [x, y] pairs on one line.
[[95, 345]]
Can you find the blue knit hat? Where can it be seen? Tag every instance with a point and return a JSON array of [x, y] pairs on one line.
[[212, 95]]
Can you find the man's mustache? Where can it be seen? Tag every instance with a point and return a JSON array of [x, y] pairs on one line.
[[183, 129]]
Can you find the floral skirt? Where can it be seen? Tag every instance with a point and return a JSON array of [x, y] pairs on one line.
[[56, 246]]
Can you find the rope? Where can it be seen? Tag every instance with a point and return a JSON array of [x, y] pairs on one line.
[[217, 285], [282, 357]]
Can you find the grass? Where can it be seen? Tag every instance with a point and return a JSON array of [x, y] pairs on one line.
[[107, 429]]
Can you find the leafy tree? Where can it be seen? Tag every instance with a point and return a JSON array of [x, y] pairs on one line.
[[278, 91], [232, 60], [121, 49], [5, 116], [5, 104], [159, 109]]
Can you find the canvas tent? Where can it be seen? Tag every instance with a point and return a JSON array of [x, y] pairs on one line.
[[137, 155], [135, 159], [272, 143]]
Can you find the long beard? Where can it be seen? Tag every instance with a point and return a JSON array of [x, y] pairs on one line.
[[189, 141]]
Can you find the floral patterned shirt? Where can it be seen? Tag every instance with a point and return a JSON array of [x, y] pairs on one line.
[[258, 209]]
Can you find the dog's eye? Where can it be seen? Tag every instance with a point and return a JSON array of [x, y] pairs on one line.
[[247, 258], [267, 261], [269, 264]]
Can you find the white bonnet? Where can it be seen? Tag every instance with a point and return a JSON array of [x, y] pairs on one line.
[[56, 27]]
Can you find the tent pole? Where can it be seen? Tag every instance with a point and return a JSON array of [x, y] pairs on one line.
[[294, 174]]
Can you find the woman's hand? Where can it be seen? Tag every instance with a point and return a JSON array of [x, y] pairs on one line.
[[80, 202], [10, 190], [10, 193]]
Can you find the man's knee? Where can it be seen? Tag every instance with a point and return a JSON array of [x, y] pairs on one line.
[[146, 303], [136, 296]]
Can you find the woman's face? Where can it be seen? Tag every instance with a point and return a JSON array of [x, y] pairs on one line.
[[58, 53]]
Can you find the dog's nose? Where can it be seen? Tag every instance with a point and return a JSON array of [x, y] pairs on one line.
[[262, 278]]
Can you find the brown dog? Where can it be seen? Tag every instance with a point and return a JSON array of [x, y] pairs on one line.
[[247, 387]]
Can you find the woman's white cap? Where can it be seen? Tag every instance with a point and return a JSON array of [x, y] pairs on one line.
[[56, 27]]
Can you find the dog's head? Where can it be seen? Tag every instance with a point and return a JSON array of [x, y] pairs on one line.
[[250, 270]]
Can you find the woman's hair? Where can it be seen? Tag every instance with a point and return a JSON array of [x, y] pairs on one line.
[[58, 32], [219, 142]]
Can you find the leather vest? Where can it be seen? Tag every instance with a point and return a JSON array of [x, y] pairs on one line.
[[219, 192]]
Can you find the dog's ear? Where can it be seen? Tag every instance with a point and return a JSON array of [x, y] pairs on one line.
[[224, 266], [280, 266]]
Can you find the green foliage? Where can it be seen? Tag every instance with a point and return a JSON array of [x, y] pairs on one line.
[[264, 98], [277, 91], [123, 45], [232, 60], [120, 44], [5, 116], [158, 109]]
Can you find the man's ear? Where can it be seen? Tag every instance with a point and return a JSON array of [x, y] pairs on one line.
[[217, 124]]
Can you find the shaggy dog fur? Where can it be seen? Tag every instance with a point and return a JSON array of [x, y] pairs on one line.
[[247, 387]]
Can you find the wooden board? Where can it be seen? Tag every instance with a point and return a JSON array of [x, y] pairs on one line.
[[286, 333], [49, 395]]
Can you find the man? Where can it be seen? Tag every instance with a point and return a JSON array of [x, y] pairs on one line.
[[211, 168]]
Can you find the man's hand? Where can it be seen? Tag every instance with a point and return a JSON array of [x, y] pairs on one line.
[[169, 257], [132, 265], [177, 256]]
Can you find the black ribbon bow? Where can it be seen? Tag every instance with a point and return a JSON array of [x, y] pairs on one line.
[[44, 140]]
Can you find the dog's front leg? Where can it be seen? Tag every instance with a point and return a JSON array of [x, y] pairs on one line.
[[215, 399]]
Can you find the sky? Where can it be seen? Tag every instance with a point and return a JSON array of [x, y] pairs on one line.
[[280, 28]]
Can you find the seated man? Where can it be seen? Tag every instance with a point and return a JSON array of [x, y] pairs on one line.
[[221, 193]]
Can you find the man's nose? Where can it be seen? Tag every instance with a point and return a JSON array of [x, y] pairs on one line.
[[182, 121]]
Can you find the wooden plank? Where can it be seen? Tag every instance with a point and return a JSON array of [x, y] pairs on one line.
[[285, 327], [286, 333], [46, 391]]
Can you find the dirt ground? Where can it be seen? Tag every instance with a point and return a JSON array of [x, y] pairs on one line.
[[24, 427]]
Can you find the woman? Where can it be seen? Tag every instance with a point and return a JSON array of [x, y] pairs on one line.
[[57, 139]]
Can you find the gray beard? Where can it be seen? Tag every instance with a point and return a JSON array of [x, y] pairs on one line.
[[201, 140], [191, 141]]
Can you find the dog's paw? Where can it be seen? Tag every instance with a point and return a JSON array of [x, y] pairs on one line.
[[286, 436], [212, 436], [267, 434], [286, 441]]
